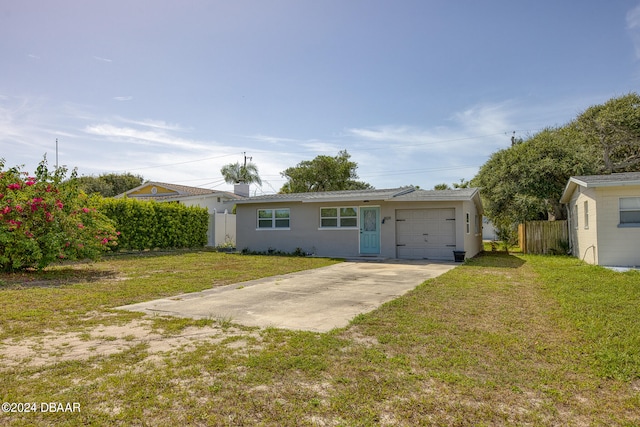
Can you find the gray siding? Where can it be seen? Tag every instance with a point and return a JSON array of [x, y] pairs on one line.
[[305, 232]]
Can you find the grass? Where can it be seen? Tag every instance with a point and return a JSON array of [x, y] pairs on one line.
[[500, 340]]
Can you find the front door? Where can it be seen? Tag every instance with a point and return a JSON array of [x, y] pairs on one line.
[[369, 230]]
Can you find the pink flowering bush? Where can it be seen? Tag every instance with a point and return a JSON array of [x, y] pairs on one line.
[[46, 218]]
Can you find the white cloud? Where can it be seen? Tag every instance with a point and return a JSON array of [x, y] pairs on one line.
[[633, 27], [144, 137], [123, 98], [101, 59]]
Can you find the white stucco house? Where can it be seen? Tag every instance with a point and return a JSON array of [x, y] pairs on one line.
[[604, 218], [222, 226], [405, 223]]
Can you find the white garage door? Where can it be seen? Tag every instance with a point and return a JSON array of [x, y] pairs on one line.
[[425, 233]]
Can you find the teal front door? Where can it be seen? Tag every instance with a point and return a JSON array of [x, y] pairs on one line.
[[369, 230]]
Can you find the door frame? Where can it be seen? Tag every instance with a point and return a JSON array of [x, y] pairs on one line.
[[361, 209]]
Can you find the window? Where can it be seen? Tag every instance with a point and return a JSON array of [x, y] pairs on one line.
[[478, 223], [468, 225], [630, 210], [575, 216], [273, 218], [586, 215], [338, 217]]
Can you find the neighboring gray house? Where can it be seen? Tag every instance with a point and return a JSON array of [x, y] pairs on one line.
[[604, 218], [402, 223]]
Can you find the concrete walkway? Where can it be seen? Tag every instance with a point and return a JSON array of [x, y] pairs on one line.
[[313, 300]]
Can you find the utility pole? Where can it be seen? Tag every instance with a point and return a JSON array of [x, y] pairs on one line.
[[245, 159], [56, 153]]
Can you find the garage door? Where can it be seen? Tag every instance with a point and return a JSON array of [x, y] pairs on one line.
[[425, 233]]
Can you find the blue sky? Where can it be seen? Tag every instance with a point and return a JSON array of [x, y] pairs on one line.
[[419, 92]]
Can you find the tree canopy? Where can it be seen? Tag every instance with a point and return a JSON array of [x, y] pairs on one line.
[[323, 173], [110, 184], [525, 181], [235, 173]]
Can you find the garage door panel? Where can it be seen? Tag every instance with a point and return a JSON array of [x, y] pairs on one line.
[[425, 233]]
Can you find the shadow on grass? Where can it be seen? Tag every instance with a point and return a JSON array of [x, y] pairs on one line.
[[53, 278], [496, 259]]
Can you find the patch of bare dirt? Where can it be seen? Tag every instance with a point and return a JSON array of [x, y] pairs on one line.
[[52, 347]]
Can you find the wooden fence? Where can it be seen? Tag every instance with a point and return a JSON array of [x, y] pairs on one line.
[[543, 237]]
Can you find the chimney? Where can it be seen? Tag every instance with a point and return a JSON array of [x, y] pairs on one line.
[[241, 189]]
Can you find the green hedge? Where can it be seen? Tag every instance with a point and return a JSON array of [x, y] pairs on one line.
[[152, 225]]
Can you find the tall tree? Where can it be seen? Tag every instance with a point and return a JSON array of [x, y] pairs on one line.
[[612, 130], [323, 173], [235, 173], [525, 182]]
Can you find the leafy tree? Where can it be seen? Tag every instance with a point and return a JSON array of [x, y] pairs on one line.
[[612, 130], [109, 185], [235, 173], [525, 182], [323, 173], [45, 218]]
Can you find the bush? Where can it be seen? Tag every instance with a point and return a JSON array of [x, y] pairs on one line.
[[152, 225], [46, 218]]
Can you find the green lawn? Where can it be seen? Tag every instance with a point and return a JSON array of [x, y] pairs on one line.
[[500, 340]]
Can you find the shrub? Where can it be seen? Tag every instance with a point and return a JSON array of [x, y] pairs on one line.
[[46, 218], [153, 225]]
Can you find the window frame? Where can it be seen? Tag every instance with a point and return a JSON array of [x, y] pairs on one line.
[[633, 209], [468, 223], [339, 217], [273, 219], [585, 214]]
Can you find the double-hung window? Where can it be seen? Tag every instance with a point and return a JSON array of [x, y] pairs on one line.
[[338, 217], [273, 218], [630, 211]]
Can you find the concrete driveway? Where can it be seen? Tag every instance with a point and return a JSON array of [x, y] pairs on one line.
[[313, 300]]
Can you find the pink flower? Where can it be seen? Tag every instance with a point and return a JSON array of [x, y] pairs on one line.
[[105, 241], [80, 226], [30, 183], [59, 204], [6, 210], [85, 210], [49, 216], [28, 234], [15, 224], [19, 208], [15, 186]]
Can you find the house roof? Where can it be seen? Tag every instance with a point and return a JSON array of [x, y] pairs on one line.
[[592, 181], [405, 194], [165, 191]]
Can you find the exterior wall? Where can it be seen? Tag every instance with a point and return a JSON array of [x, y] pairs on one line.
[[584, 240], [305, 232], [619, 246], [473, 239], [212, 203]]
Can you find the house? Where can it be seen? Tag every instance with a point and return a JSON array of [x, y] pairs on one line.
[[604, 218], [405, 223], [222, 227]]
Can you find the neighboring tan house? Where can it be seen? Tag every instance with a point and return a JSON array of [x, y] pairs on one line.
[[404, 223], [604, 218], [222, 227]]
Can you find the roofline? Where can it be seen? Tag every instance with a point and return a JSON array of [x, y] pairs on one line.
[[295, 197], [574, 182]]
